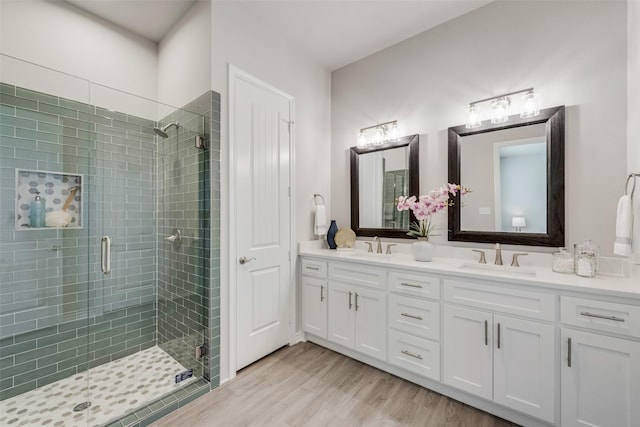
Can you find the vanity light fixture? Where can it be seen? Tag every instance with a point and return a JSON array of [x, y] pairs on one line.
[[518, 222], [500, 105], [382, 132]]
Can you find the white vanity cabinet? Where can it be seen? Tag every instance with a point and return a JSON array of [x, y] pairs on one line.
[[314, 297], [600, 373], [357, 311], [489, 352], [413, 313]]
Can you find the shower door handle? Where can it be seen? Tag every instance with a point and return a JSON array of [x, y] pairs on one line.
[[105, 254]]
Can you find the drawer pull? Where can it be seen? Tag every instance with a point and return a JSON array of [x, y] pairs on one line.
[[313, 268], [601, 316], [411, 285], [408, 353], [411, 316]]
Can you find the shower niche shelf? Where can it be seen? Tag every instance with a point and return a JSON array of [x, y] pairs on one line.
[[54, 188]]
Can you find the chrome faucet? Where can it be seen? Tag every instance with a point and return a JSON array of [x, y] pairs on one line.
[[379, 247], [498, 254]]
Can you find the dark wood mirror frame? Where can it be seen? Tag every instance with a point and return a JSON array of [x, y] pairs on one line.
[[554, 120], [414, 183]]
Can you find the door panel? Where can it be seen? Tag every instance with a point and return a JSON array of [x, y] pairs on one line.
[[261, 121], [524, 368], [602, 385], [341, 314], [314, 306], [371, 322], [468, 356]]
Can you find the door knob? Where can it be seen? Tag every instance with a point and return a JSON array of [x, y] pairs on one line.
[[244, 260]]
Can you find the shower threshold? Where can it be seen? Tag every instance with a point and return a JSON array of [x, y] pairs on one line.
[[113, 390]]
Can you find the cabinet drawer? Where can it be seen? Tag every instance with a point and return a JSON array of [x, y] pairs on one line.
[[604, 316], [414, 284], [414, 354], [414, 316], [314, 268], [512, 301], [357, 275]]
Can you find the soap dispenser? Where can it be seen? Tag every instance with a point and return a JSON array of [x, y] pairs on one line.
[[37, 212]]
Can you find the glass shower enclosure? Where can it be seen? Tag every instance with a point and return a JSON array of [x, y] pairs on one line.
[[104, 250]]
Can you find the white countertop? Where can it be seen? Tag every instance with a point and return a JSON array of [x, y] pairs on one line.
[[465, 266]]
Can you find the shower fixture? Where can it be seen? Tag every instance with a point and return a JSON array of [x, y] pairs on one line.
[[163, 130]]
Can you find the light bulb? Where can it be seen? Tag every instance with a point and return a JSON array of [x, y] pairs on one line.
[[378, 137], [500, 110], [473, 118], [362, 140], [394, 132], [529, 107]]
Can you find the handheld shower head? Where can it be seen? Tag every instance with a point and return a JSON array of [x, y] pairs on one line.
[[162, 132]]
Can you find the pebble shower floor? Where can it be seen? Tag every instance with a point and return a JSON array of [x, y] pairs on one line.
[[114, 389]]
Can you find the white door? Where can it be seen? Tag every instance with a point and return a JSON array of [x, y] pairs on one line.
[[371, 322], [260, 129], [314, 306], [600, 381], [524, 366], [467, 354], [341, 314]]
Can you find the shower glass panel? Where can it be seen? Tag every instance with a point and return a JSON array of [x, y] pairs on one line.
[[104, 308], [45, 279]]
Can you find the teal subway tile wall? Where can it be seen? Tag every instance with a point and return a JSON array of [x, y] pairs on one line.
[[59, 314]]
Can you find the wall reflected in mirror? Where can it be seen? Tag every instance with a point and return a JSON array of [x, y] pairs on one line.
[[385, 175], [508, 169]]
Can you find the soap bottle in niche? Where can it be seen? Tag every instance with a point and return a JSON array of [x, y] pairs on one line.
[[37, 212]]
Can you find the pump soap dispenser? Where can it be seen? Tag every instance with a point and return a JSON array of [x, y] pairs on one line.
[[37, 212]]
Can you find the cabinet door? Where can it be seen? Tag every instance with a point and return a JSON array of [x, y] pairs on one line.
[[601, 384], [371, 322], [524, 368], [467, 354], [314, 306], [341, 313]]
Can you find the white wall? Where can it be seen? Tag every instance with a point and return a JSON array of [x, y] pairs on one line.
[[184, 66], [633, 112], [64, 38], [573, 53], [242, 39]]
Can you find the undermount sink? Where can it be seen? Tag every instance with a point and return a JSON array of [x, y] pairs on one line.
[[374, 255], [498, 269]]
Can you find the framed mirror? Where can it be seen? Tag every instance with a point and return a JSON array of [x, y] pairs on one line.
[[516, 173], [379, 175]]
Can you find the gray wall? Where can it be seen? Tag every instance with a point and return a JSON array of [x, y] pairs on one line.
[[574, 53]]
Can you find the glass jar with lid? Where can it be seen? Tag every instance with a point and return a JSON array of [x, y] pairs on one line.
[[562, 261], [586, 259]]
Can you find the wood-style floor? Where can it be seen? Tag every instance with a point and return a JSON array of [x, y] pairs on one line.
[[308, 385]]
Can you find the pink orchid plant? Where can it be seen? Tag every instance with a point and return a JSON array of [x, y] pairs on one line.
[[425, 206]]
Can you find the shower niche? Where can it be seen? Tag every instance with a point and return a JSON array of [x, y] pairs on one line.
[[59, 193]]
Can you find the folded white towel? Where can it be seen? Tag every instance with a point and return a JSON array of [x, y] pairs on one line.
[[320, 226], [624, 227]]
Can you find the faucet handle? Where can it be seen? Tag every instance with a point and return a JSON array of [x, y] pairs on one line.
[[514, 261], [389, 247], [482, 260], [370, 246]]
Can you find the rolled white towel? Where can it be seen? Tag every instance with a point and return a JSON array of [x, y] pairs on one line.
[[624, 227], [320, 226]]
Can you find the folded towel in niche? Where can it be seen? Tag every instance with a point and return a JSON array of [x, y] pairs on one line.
[[320, 224], [624, 227]]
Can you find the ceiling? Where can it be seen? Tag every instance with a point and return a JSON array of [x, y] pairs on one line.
[[333, 32]]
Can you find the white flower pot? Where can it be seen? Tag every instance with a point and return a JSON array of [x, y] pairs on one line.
[[422, 250]]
